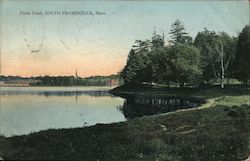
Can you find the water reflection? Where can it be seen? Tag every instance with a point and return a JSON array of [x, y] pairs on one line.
[[30, 109], [58, 93], [141, 105]]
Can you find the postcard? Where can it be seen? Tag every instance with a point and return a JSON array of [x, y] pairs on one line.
[[125, 80]]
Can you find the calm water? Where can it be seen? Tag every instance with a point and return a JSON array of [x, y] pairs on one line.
[[31, 109]]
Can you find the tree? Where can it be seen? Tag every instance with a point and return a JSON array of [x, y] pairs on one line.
[[242, 62], [155, 56], [185, 64], [157, 40], [205, 42], [217, 52], [162, 69], [225, 47], [128, 73], [178, 34], [230, 72], [157, 72], [142, 46], [137, 68]]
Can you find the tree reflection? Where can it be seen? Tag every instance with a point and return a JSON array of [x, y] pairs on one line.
[[138, 106]]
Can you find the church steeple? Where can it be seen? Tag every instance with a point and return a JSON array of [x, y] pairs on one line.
[[76, 75]]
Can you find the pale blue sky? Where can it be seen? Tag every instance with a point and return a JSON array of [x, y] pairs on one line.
[[108, 37]]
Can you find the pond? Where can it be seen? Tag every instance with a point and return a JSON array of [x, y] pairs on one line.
[[31, 109]]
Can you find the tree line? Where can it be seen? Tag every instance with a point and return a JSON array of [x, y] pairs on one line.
[[63, 80], [73, 81], [187, 61]]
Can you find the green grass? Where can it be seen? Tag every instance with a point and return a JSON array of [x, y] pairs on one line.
[[219, 130]]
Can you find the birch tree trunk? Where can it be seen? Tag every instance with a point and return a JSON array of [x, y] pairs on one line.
[[221, 53], [222, 70]]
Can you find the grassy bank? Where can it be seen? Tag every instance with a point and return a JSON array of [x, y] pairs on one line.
[[219, 130]]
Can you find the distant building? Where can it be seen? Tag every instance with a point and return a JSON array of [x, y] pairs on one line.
[[112, 82], [18, 82]]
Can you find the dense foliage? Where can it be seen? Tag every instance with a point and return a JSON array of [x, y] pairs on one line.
[[242, 63], [211, 56]]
